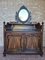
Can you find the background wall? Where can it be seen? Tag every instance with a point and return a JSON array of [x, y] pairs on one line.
[[8, 10]]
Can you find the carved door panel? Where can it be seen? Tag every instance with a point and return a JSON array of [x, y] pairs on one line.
[[33, 41], [14, 42]]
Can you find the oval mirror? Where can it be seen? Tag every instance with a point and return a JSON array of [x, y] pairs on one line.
[[23, 15]]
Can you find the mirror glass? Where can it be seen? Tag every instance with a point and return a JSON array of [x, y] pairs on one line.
[[23, 14]]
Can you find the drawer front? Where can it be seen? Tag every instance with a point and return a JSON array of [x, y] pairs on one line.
[[24, 33]]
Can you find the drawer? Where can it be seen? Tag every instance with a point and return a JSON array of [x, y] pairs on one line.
[[13, 33], [24, 33]]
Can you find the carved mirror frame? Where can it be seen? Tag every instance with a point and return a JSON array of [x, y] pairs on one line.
[[17, 15]]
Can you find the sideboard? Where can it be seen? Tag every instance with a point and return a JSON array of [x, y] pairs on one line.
[[23, 38]]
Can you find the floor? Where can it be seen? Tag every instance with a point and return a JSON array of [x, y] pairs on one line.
[[21, 57]]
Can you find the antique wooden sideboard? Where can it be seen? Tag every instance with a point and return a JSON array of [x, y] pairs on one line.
[[23, 38]]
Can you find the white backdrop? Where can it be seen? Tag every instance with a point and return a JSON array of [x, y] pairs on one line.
[[8, 10]]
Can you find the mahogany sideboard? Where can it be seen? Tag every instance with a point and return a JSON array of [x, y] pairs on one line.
[[23, 38]]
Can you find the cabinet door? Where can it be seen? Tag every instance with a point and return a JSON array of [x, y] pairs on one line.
[[13, 42], [33, 41]]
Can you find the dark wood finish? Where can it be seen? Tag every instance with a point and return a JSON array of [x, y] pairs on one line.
[[23, 40]]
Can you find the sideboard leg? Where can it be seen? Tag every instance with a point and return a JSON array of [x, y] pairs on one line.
[[41, 54], [4, 53]]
